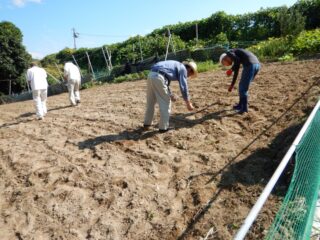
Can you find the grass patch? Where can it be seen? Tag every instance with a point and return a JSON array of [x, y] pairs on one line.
[[207, 66], [131, 77]]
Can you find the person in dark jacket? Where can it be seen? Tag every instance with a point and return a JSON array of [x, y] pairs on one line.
[[251, 66]]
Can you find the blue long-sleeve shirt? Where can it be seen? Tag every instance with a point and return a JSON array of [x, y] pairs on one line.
[[174, 71]]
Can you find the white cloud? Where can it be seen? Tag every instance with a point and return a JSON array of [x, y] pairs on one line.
[[21, 3]]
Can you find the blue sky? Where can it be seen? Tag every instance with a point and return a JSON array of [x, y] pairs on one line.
[[47, 24]]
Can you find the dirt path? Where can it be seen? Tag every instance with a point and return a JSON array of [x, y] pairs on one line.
[[89, 172]]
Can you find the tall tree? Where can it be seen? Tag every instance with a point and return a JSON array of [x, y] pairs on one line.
[[291, 21], [14, 58], [310, 9]]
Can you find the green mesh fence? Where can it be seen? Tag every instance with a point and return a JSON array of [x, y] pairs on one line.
[[295, 217]]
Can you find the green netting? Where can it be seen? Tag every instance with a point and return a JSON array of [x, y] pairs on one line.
[[295, 217], [101, 74]]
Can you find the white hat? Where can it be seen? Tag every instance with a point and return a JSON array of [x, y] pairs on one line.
[[193, 66], [223, 55]]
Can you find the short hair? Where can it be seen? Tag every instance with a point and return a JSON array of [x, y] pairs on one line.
[[32, 64]]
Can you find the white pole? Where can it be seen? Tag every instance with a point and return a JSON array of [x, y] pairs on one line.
[[109, 57], [74, 59], [90, 66], [28, 86], [53, 77], [59, 71], [141, 57], [171, 41], [172, 45], [133, 52], [197, 34], [167, 51], [9, 87], [267, 190], [105, 58]]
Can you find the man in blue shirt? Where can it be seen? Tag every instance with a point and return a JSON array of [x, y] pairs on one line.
[[251, 67], [158, 89]]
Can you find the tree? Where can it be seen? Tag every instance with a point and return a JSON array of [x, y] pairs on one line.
[[14, 59], [309, 9], [291, 21]]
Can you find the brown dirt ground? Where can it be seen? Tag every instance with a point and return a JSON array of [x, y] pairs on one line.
[[90, 172]]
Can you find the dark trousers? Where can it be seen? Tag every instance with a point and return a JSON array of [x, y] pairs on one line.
[[248, 75]]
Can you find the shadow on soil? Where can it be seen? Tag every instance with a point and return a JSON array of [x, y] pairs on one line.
[[180, 121], [24, 117], [59, 108], [135, 134], [257, 168], [15, 123], [29, 114]]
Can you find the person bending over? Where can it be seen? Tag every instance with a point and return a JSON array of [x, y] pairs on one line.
[[251, 66], [158, 89]]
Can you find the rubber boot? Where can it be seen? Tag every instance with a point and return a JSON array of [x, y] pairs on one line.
[[238, 106], [244, 105]]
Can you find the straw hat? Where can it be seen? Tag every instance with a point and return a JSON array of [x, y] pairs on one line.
[[193, 66], [223, 55]]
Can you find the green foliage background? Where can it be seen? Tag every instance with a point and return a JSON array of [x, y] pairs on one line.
[[14, 58], [307, 42]]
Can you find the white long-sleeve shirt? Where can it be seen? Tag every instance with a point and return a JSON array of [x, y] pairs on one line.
[[38, 78], [71, 71]]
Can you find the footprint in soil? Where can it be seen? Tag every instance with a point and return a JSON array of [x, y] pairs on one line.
[[255, 108]]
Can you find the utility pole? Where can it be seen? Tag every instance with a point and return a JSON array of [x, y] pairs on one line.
[[75, 35]]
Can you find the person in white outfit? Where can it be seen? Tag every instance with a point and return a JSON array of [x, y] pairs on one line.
[[37, 78], [73, 76]]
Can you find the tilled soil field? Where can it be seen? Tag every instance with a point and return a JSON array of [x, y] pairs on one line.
[[91, 172]]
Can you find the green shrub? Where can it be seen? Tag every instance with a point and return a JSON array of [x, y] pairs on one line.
[[271, 49], [131, 77], [287, 58], [88, 85], [283, 49], [307, 42]]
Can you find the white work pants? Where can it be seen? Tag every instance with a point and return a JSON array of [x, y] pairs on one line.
[[157, 91], [40, 99], [74, 93]]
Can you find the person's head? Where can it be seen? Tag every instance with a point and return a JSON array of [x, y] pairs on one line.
[[191, 67], [225, 60], [33, 64]]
